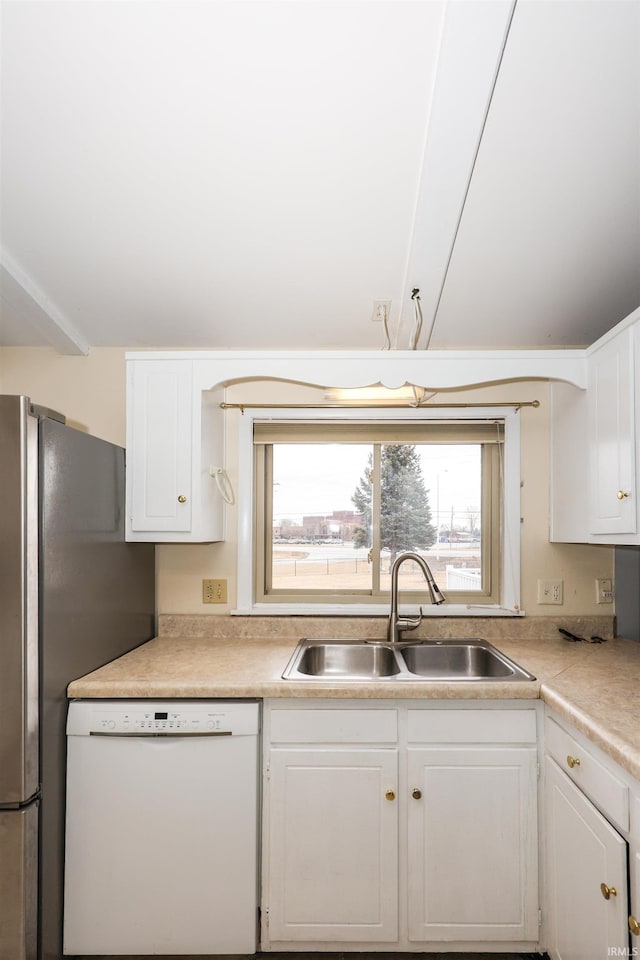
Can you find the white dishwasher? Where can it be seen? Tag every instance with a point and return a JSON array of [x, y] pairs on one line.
[[161, 827]]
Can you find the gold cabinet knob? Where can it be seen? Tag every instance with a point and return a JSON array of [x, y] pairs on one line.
[[622, 494], [182, 498], [634, 926], [608, 892], [416, 794], [573, 761], [390, 795]]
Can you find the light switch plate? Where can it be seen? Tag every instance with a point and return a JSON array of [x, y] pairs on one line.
[[604, 591]]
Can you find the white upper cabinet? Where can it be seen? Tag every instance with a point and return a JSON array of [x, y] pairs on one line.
[[611, 417], [159, 447], [595, 445], [174, 448], [176, 485]]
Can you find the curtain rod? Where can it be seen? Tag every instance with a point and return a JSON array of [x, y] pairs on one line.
[[346, 405]]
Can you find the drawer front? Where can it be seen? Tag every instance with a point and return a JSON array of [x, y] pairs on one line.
[[598, 783], [472, 726], [334, 726]]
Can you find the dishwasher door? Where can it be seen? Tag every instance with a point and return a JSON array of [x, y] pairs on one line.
[[162, 827]]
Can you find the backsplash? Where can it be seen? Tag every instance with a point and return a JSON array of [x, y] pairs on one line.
[[495, 629]]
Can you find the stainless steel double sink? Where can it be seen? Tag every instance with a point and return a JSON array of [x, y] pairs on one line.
[[348, 660]]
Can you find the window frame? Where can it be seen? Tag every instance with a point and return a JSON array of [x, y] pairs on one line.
[[509, 600], [374, 435]]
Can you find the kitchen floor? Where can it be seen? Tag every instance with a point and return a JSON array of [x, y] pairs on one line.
[[396, 956], [346, 956], [390, 956]]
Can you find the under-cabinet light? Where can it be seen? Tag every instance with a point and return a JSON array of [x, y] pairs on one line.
[[407, 394]]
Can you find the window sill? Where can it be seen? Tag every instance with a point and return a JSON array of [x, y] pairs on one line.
[[373, 610]]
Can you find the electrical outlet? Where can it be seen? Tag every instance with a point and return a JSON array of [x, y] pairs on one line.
[[214, 591], [550, 591], [381, 310], [604, 591]]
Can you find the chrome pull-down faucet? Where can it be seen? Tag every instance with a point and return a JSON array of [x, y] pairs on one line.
[[396, 623]]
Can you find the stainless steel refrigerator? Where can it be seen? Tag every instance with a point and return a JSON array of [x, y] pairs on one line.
[[73, 595]]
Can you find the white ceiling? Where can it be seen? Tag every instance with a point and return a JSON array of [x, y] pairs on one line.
[[228, 174]]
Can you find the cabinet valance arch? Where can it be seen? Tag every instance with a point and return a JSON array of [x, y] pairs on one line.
[[176, 424], [433, 370]]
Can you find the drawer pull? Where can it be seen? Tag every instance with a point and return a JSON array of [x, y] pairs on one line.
[[416, 794], [573, 761], [634, 926], [390, 795], [608, 892]]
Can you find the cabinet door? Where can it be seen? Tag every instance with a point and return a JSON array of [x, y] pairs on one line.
[[332, 850], [611, 404], [634, 916], [159, 446], [634, 875], [472, 827], [583, 852]]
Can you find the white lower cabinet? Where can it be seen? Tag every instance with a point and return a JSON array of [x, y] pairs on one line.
[[472, 844], [587, 816], [333, 838], [634, 874], [399, 826], [586, 856]]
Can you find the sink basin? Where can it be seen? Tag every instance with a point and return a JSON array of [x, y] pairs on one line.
[[346, 661], [469, 660], [420, 661]]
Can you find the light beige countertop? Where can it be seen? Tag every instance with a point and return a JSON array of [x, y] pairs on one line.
[[594, 686], [600, 696]]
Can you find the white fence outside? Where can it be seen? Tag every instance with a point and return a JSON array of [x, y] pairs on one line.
[[463, 578]]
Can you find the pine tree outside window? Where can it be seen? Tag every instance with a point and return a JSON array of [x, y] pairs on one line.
[[405, 509]]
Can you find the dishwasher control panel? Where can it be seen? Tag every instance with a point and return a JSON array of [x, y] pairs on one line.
[[157, 721], [162, 718]]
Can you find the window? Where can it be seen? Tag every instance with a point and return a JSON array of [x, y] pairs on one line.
[[336, 499]]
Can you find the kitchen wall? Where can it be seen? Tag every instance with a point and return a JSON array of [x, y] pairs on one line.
[[90, 391]]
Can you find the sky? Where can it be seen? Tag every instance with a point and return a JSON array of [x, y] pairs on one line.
[[307, 479]]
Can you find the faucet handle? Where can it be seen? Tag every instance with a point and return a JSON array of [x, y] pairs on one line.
[[410, 623]]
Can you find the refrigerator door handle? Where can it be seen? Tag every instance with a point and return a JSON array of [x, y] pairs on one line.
[[19, 769]]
